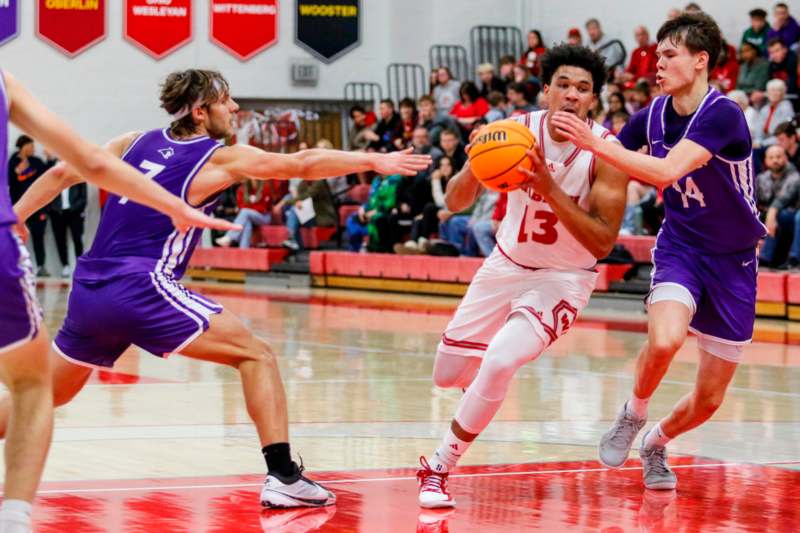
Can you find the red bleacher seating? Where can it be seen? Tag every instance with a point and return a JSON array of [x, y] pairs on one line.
[[252, 259], [273, 236], [344, 213], [359, 193], [771, 287], [792, 288], [639, 246]]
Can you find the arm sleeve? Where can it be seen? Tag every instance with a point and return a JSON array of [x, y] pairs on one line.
[[722, 130], [634, 134]]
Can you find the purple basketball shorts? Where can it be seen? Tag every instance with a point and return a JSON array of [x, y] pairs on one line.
[[723, 288], [151, 311], [20, 315]]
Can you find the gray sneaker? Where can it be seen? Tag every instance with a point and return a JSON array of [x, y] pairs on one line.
[[616, 444], [657, 474]]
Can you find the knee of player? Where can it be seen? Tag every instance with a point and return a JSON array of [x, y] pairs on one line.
[[664, 345], [261, 351], [708, 402]]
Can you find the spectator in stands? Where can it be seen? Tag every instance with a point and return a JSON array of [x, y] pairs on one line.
[[450, 143], [643, 58], [637, 97], [322, 215], [784, 26], [226, 208], [24, 167], [786, 138], [753, 73], [618, 121], [756, 34], [638, 194], [574, 37], [726, 72], [446, 91], [470, 107], [497, 107], [523, 75], [782, 64], [750, 112], [616, 104], [507, 69], [518, 99], [673, 13], [775, 111], [366, 227], [609, 48], [421, 143], [427, 222], [360, 135], [462, 231], [532, 57], [68, 211], [254, 211], [489, 81], [779, 193], [408, 121], [388, 128], [432, 120]]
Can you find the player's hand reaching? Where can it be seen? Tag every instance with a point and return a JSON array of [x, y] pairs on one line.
[[539, 177], [474, 133], [577, 131], [187, 217], [404, 162]]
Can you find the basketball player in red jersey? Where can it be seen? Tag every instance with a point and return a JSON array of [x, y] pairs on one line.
[[530, 289]]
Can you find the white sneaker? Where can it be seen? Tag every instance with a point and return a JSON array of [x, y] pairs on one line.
[[298, 491], [66, 271], [433, 492], [224, 241]]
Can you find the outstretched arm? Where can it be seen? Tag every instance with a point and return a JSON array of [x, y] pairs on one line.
[[244, 161], [661, 172], [59, 177], [597, 228], [95, 164]]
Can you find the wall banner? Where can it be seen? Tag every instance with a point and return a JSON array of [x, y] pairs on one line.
[[71, 26], [158, 28]]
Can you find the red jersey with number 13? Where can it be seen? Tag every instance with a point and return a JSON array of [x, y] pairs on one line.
[[531, 234]]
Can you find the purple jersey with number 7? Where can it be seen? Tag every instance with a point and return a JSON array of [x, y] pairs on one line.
[[133, 238]]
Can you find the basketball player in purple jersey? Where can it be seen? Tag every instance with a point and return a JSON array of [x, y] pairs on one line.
[[704, 260], [126, 290], [24, 341]]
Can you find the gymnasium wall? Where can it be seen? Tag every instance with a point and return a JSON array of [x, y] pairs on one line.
[[112, 87]]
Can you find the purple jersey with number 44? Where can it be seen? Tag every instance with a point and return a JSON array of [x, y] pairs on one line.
[[133, 238]]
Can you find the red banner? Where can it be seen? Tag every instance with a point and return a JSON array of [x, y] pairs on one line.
[[71, 26], [158, 27], [244, 27]]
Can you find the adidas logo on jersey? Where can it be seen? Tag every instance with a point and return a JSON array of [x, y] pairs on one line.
[[166, 153]]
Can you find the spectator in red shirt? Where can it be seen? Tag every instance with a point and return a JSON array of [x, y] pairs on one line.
[[408, 121], [254, 211], [574, 37], [470, 107], [727, 70], [643, 59], [532, 57]]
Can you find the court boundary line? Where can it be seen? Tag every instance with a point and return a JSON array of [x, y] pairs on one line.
[[397, 478]]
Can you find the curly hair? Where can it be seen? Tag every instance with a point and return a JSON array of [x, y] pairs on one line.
[[697, 31], [575, 56], [185, 89]]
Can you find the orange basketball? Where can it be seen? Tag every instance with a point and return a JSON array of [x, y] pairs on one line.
[[496, 153]]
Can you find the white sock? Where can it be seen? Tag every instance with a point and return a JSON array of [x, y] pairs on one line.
[[656, 437], [637, 406], [448, 453], [15, 516]]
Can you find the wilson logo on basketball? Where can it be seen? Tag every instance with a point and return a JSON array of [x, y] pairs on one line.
[[492, 136]]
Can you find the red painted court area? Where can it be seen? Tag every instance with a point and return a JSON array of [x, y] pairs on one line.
[[563, 496]]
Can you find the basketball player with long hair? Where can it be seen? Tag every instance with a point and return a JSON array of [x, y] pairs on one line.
[[126, 289], [705, 258], [541, 273], [24, 341]]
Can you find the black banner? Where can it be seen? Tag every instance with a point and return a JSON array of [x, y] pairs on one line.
[[328, 28]]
